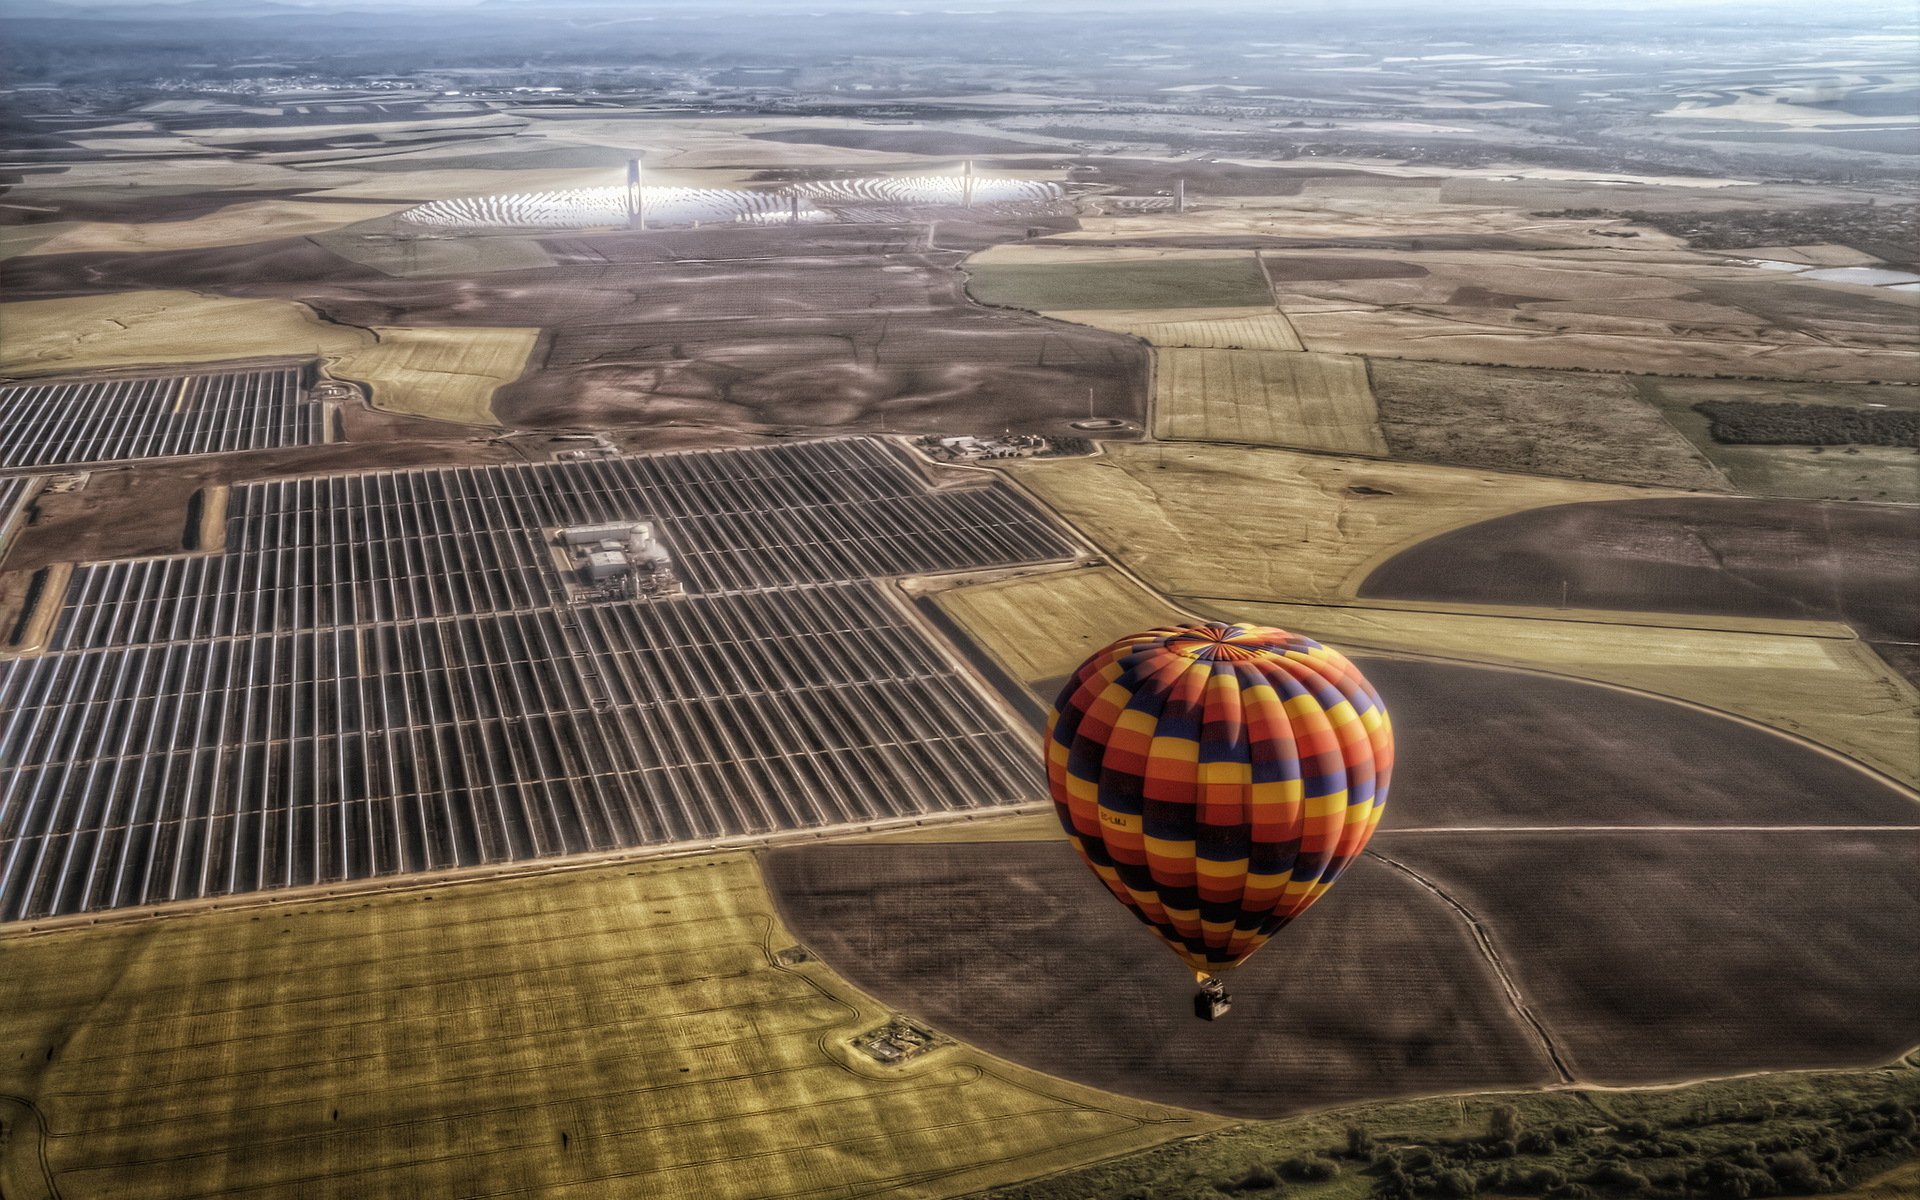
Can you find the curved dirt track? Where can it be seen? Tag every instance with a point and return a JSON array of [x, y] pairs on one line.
[[1688, 896]]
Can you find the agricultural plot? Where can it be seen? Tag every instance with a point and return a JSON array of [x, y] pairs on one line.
[[445, 374], [1197, 281], [235, 224], [386, 673], [1822, 685], [1255, 523], [1487, 748], [1578, 425], [1762, 558], [1047, 970], [72, 422], [1313, 401], [1813, 472], [1671, 954], [1603, 311], [1639, 964], [1257, 329], [1081, 611], [621, 1030], [134, 329]]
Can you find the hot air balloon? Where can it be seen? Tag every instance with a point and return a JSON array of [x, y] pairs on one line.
[[1218, 778]]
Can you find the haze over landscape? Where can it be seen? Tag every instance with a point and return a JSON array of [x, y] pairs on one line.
[[581, 585]]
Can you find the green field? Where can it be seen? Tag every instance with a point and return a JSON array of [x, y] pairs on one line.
[[1849, 1126], [623, 1030], [1213, 282], [1880, 473]]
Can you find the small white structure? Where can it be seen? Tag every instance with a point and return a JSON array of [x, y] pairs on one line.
[[607, 564], [622, 533]]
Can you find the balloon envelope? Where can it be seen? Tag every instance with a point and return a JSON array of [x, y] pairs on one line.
[[1218, 778]]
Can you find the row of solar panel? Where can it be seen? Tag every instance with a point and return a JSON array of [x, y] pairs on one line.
[[343, 550], [146, 774], [77, 422]]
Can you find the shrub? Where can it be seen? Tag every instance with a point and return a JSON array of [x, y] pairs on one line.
[[1753, 423], [1394, 1183], [1722, 1179], [1259, 1178], [1309, 1170], [1503, 1124], [1797, 1175], [1359, 1142], [1540, 1179], [1619, 1176]]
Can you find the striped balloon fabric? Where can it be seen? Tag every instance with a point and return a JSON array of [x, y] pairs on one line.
[[1218, 778]]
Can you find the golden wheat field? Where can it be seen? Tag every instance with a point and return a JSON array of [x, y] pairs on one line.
[[617, 1031]]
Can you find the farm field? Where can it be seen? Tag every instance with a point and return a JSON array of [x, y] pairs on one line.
[[229, 226], [1872, 473], [445, 374], [1200, 280], [1489, 748], [1250, 523], [1763, 558], [1679, 314], [601, 1031], [1048, 971], [128, 329], [1646, 958], [1253, 328], [1313, 401], [1832, 689], [1080, 990], [1572, 424], [1079, 611]]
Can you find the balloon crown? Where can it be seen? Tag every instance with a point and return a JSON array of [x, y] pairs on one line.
[[1216, 641]]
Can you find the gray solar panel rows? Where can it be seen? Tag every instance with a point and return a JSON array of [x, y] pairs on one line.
[[57, 423], [404, 545], [383, 674]]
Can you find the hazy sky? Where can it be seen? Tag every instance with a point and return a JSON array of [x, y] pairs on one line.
[[1547, 12]]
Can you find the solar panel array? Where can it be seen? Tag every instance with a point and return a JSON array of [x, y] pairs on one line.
[[385, 673], [60, 423]]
